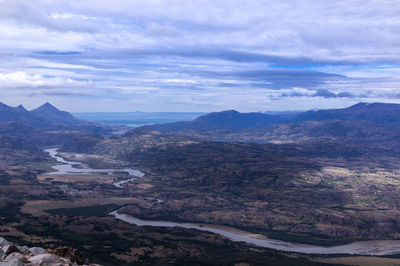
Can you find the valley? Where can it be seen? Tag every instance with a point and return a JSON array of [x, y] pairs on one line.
[[199, 133], [301, 196], [359, 248]]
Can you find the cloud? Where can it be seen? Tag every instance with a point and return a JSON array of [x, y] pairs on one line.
[[260, 30], [200, 54], [329, 94], [322, 93], [23, 80]]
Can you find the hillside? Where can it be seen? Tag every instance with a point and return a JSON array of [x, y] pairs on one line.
[[387, 114], [269, 187], [376, 122], [47, 113], [45, 125], [226, 120]]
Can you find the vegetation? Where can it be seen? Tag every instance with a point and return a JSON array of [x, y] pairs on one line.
[[96, 210]]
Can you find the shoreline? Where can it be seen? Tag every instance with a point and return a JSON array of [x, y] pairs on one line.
[[368, 247]]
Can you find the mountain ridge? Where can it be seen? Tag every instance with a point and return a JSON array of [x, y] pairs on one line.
[[45, 125], [44, 113], [230, 120]]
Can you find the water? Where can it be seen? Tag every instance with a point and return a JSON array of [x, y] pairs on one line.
[[376, 247], [65, 167], [137, 119]]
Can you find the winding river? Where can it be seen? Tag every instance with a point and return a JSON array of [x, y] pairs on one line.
[[65, 167], [374, 247]]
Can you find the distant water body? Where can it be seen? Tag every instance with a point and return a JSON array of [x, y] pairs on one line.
[[137, 119]]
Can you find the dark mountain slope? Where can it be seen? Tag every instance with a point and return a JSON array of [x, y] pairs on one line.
[[381, 113], [358, 123], [45, 125], [51, 114], [8, 113], [226, 120]]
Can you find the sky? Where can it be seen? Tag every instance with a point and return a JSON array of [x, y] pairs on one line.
[[198, 55]]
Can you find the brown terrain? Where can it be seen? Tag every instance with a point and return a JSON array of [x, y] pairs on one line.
[[305, 182], [327, 190]]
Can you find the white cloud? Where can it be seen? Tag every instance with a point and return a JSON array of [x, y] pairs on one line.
[[23, 80]]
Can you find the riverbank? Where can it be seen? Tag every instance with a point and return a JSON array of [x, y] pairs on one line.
[[379, 248], [373, 247]]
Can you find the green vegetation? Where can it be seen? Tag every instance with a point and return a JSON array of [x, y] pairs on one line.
[[95, 210]]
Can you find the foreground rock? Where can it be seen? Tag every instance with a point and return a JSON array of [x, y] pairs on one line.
[[14, 255]]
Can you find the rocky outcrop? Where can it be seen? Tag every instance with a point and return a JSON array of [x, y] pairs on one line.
[[14, 255]]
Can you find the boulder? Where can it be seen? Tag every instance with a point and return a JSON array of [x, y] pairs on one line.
[[12, 255], [72, 254], [23, 249], [37, 251], [15, 256], [12, 263], [10, 249], [44, 259], [4, 242]]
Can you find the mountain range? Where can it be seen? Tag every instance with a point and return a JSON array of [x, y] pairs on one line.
[[379, 113], [330, 173], [45, 125], [362, 122], [46, 114], [323, 177]]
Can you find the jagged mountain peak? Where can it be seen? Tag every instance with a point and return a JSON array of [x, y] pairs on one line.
[[47, 107], [22, 108]]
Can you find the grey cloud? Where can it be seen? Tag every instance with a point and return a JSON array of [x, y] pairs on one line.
[[277, 78], [293, 94], [323, 93], [29, 13], [217, 51], [221, 54], [292, 32], [66, 93]]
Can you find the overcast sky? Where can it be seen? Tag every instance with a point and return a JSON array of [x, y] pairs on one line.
[[210, 55]]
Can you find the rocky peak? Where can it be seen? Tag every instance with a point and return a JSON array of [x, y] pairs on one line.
[[21, 108], [47, 107]]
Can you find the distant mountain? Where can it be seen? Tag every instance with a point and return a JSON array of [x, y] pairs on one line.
[[226, 120], [45, 114], [361, 122], [45, 125], [51, 114], [380, 113], [8, 113]]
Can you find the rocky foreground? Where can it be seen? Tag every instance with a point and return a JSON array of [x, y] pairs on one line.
[[14, 255]]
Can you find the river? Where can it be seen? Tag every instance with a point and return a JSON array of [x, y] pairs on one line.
[[373, 247], [65, 167]]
